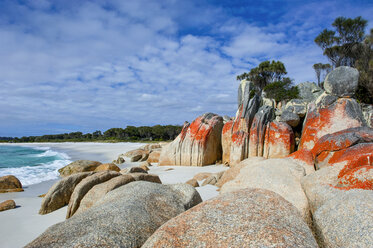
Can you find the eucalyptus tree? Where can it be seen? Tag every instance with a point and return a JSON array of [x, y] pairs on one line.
[[342, 46]]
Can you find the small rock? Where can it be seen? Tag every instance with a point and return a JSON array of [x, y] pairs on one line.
[[297, 106], [151, 147], [78, 166], [309, 91], [42, 195], [137, 155], [201, 176], [342, 81], [107, 167], [119, 160], [289, 118], [210, 180], [137, 169], [154, 157], [6, 205], [193, 182], [10, 184], [169, 169], [146, 177]]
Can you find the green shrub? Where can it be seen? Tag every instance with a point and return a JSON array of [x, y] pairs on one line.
[[281, 90]]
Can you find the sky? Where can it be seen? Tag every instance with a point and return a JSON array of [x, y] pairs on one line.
[[71, 65]]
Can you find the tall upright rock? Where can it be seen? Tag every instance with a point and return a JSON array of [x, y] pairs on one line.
[[226, 141], [198, 144], [235, 137], [258, 129], [279, 140]]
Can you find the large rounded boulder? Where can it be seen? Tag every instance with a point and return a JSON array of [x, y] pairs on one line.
[[244, 218], [342, 81], [125, 217]]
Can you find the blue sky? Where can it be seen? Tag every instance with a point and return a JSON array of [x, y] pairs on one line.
[[91, 65]]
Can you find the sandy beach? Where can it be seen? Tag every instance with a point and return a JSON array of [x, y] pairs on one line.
[[21, 225]]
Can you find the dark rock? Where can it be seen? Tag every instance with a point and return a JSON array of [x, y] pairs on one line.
[[289, 118], [342, 81], [309, 91], [297, 106]]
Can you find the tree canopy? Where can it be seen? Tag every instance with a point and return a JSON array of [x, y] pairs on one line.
[[321, 70], [349, 46], [281, 90], [342, 45], [267, 72], [365, 66], [130, 133]]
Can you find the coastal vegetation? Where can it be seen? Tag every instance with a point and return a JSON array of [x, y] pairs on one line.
[[269, 77], [348, 45], [130, 133]]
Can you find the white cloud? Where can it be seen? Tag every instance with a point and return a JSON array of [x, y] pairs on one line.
[[101, 64]]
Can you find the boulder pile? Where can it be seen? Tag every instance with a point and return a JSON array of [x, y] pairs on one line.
[[301, 175]]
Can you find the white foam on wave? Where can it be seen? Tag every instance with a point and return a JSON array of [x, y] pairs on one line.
[[42, 148], [36, 174], [51, 153]]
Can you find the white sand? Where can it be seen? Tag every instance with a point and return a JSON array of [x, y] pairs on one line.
[[21, 225]]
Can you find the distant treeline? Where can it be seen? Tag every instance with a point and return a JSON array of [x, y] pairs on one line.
[[130, 133]]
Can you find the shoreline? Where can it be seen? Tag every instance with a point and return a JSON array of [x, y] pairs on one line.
[[15, 223], [102, 152]]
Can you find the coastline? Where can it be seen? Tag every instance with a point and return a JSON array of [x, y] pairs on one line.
[[102, 152], [23, 224]]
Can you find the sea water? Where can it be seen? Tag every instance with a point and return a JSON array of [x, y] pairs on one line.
[[31, 165]]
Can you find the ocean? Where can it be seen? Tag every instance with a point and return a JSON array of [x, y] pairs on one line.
[[31, 165]]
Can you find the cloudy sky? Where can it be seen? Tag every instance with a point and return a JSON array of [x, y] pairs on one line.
[[91, 65]]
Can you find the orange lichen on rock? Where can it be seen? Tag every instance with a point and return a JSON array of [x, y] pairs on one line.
[[226, 141], [198, 144], [239, 147], [279, 140], [304, 156], [257, 137], [322, 120], [357, 178], [354, 156], [343, 139]]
